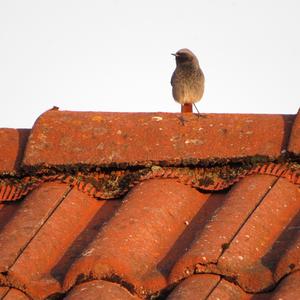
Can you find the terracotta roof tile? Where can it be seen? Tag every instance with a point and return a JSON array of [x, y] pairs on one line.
[[209, 286], [107, 139], [12, 144], [149, 221], [220, 230], [228, 290], [100, 289], [259, 212], [141, 218], [249, 258], [3, 291], [288, 288], [33, 212], [68, 213], [294, 143], [195, 287], [162, 237], [14, 294], [166, 220]]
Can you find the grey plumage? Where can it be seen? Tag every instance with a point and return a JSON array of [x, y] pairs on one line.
[[188, 79]]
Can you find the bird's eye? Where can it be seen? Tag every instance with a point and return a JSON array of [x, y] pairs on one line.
[[183, 57]]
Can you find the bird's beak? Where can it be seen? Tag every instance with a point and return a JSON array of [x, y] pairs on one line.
[[174, 54]]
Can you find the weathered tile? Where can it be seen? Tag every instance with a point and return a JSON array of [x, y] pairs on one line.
[[195, 287], [12, 145], [223, 225], [100, 290], [22, 221], [14, 294], [252, 255], [144, 238], [226, 290], [108, 139], [40, 268], [294, 142]]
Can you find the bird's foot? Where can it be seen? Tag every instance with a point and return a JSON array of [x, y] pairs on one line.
[[182, 120], [201, 116]]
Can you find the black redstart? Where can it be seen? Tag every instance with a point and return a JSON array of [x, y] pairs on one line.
[[188, 79]]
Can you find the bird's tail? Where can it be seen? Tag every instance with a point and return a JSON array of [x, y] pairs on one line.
[[187, 108]]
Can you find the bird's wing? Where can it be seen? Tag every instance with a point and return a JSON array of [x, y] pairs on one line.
[[173, 79]]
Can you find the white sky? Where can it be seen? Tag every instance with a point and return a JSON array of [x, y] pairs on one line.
[[115, 55]]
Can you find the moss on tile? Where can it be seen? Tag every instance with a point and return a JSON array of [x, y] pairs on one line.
[[104, 183]]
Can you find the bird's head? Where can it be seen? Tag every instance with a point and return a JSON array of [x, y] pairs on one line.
[[185, 57]]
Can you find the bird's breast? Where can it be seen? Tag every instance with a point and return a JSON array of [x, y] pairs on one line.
[[188, 85]]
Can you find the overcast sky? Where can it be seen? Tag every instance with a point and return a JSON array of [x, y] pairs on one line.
[[97, 55]]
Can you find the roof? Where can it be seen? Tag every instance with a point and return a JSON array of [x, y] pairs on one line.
[[140, 205]]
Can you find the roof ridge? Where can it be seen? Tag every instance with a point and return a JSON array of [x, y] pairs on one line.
[[122, 140]]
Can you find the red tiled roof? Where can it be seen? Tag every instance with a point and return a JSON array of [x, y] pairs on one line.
[[12, 146], [294, 143], [93, 289], [12, 294], [164, 237]]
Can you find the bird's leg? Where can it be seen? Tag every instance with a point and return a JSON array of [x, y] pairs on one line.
[[185, 108], [199, 115]]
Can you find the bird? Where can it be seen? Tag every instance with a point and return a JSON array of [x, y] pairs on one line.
[[188, 79]]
